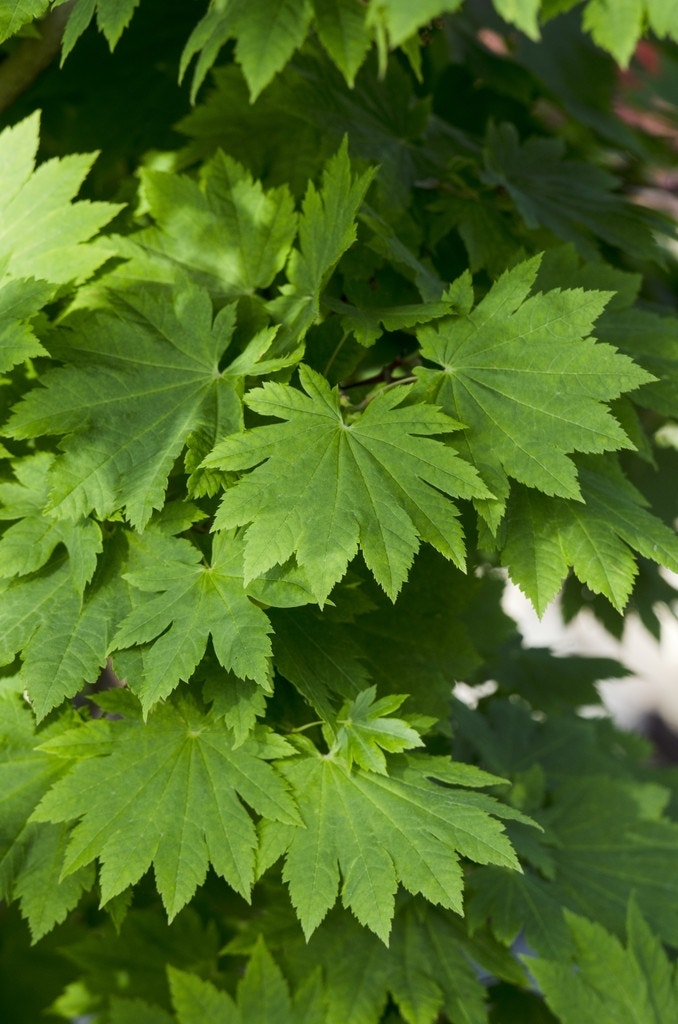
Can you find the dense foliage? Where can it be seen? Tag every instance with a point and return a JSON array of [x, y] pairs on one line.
[[362, 307]]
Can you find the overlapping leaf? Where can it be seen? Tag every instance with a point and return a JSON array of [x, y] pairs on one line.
[[188, 601], [597, 539], [263, 996], [529, 383], [141, 377], [167, 795], [603, 981], [30, 854], [375, 831], [19, 301], [224, 230], [327, 487], [539, 178]]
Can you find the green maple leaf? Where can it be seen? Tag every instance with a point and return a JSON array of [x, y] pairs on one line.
[[343, 31], [263, 996], [142, 377], [14, 14], [113, 16], [597, 539], [266, 37], [30, 853], [375, 831], [19, 301], [326, 230], [529, 383], [603, 981], [327, 487], [426, 968], [539, 178], [185, 602], [44, 234], [167, 794], [401, 19], [364, 731], [224, 230], [28, 544]]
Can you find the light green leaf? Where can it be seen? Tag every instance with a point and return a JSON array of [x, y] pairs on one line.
[[14, 14], [141, 377], [529, 383], [224, 230], [328, 486], [167, 795], [615, 26], [342, 29], [43, 234], [375, 831], [521, 13], [364, 730], [192, 601], [19, 301], [196, 1001]]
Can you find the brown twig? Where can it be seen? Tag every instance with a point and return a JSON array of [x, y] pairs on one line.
[[31, 56]]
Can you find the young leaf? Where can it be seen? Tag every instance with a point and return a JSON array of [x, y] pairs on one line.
[[327, 487], [141, 378], [44, 234], [529, 382], [375, 831], [193, 601], [167, 795], [343, 31], [364, 731]]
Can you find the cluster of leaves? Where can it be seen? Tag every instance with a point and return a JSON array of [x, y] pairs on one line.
[[285, 394]]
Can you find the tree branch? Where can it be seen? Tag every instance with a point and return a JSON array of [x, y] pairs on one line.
[[21, 67]]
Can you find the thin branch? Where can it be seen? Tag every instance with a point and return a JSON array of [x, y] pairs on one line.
[[21, 67]]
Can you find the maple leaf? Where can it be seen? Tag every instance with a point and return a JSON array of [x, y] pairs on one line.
[[113, 16], [141, 378], [192, 601], [343, 31], [28, 544], [30, 854], [539, 180], [375, 831], [363, 731], [544, 537], [327, 487], [14, 14], [266, 37], [263, 996], [529, 383], [19, 301], [45, 235], [167, 794], [602, 980], [326, 230], [224, 230]]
